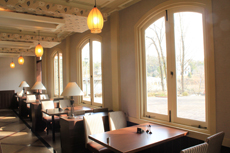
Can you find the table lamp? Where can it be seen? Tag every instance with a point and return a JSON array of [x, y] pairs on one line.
[[38, 86], [72, 89], [24, 84]]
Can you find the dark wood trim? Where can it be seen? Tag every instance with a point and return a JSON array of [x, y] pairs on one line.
[[7, 99]]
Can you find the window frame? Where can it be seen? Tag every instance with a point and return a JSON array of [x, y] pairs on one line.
[[57, 52], [89, 39], [209, 62]]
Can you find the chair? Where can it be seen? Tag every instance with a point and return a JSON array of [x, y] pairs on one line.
[[28, 92], [1, 148], [30, 97], [48, 119], [117, 120], [93, 124], [215, 142], [64, 103], [43, 96], [100, 110], [201, 148], [77, 112], [19, 94]]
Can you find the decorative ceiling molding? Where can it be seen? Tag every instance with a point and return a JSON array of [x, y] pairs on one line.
[[26, 38], [55, 19], [16, 43]]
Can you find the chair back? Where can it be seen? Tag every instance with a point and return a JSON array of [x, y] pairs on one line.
[[47, 105], [93, 124], [64, 103], [28, 92], [215, 142], [30, 97], [77, 112], [100, 110], [19, 94], [43, 96], [117, 120], [201, 148]]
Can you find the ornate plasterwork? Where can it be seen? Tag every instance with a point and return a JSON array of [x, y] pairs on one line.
[[46, 42], [75, 21], [23, 52], [29, 38]]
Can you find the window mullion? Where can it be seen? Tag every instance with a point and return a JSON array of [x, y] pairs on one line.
[[171, 71], [58, 75], [91, 72]]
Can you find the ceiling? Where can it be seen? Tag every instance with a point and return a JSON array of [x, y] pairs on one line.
[[24, 23]]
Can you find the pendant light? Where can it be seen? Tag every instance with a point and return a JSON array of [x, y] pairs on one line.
[[12, 65], [39, 48], [21, 60], [95, 20]]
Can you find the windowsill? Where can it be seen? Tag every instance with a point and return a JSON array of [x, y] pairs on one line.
[[194, 132], [89, 105]]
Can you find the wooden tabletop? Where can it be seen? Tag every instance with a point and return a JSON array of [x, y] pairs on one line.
[[80, 117], [127, 140], [31, 101], [58, 111]]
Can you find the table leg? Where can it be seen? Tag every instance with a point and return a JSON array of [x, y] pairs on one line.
[[53, 130]]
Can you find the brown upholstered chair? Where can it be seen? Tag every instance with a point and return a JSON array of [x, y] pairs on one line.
[[46, 118], [1, 148], [77, 112], [215, 142], [93, 124], [117, 120], [201, 148], [100, 110]]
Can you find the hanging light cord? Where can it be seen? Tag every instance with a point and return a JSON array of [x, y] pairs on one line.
[[95, 4], [38, 36]]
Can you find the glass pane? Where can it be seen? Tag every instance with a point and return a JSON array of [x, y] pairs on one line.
[[86, 72], [56, 75], [189, 48], [97, 82], [61, 72], [156, 70]]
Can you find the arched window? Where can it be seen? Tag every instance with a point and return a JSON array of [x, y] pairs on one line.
[[91, 71], [58, 74], [173, 66]]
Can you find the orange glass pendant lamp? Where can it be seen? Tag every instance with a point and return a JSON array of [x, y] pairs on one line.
[[21, 60], [12, 65], [95, 20], [39, 50]]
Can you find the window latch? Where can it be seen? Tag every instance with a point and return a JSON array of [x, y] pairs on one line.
[[169, 115], [150, 116], [199, 126], [171, 72]]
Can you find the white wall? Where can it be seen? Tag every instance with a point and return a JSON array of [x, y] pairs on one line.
[[10, 79]]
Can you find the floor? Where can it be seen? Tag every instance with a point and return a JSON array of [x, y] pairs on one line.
[[16, 136]]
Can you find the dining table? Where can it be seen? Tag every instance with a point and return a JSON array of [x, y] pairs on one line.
[[127, 140]]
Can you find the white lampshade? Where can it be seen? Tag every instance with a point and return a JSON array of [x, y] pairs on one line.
[[24, 84], [72, 89], [38, 86]]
